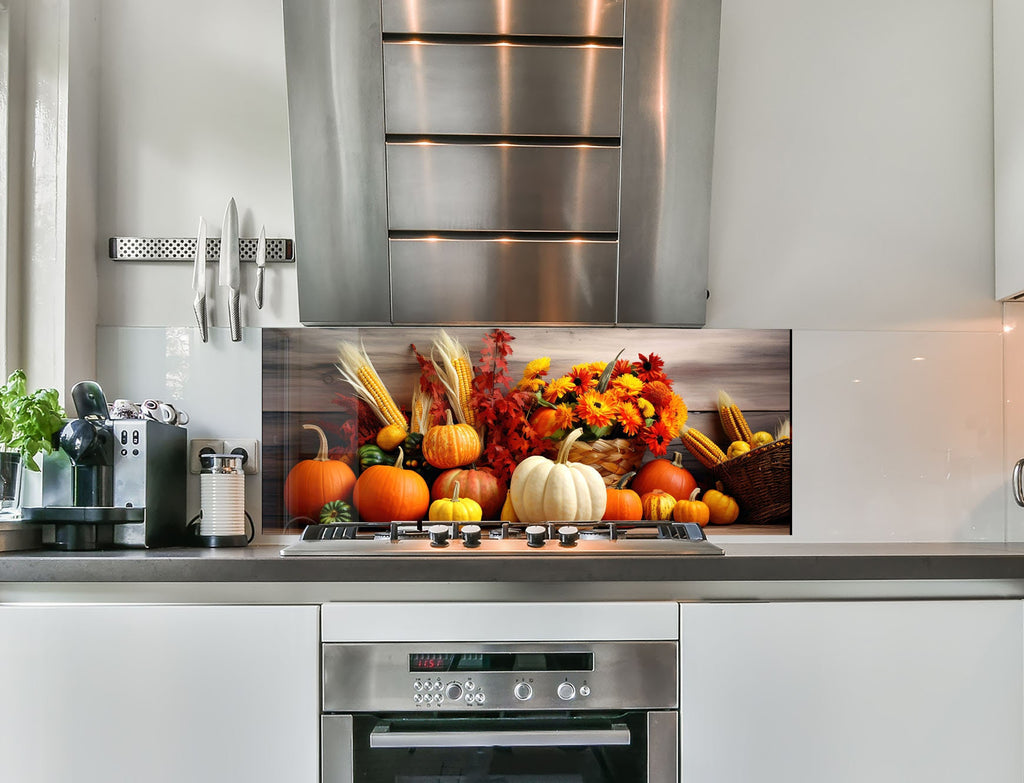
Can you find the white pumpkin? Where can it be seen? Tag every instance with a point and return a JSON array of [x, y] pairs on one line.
[[544, 490]]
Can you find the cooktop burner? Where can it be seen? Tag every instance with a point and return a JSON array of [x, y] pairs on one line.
[[503, 538]]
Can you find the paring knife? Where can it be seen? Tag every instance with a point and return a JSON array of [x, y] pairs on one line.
[[229, 274], [199, 281], [261, 262]]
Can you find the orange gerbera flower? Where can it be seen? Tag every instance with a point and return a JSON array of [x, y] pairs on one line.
[[656, 438], [630, 419], [595, 409], [582, 378], [563, 416], [649, 368], [674, 416], [558, 388], [622, 367]]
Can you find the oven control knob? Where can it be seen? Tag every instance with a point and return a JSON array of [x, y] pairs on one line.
[[584, 690], [536, 535], [438, 535], [522, 691], [567, 535], [566, 691], [471, 535], [453, 692]]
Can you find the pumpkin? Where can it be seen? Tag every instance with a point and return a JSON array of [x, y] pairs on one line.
[[657, 505], [455, 509], [545, 422], [508, 511], [692, 510], [623, 504], [480, 484], [386, 493], [391, 436], [337, 511], [546, 490], [668, 475], [723, 509], [450, 445], [737, 449], [313, 482], [761, 438]]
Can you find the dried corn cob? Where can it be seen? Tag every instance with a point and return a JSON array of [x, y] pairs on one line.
[[733, 421], [784, 430], [356, 368], [702, 447], [420, 410], [451, 360]]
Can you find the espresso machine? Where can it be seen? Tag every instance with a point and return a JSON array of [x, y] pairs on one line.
[[112, 482]]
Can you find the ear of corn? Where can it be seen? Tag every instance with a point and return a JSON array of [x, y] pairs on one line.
[[451, 361], [733, 421], [702, 447], [356, 368], [784, 430], [420, 419]]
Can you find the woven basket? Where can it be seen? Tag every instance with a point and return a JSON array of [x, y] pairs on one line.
[[761, 482], [613, 459]]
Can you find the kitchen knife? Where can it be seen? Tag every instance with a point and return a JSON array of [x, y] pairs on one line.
[[229, 274], [261, 262], [199, 281]]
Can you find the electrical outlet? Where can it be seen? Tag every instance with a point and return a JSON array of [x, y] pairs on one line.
[[198, 446], [249, 449]]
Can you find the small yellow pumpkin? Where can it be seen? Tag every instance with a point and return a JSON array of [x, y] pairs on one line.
[[723, 509], [692, 510], [451, 445], [545, 490], [737, 449], [761, 438], [455, 509], [391, 437], [508, 511], [657, 505]]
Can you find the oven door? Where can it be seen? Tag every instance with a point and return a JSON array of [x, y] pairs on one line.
[[630, 747]]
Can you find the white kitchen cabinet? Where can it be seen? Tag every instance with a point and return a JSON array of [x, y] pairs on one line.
[[1008, 150], [161, 694], [848, 692]]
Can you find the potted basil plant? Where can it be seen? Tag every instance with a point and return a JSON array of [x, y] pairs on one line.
[[28, 423]]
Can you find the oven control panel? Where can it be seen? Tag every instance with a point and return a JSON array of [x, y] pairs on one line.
[[535, 691]]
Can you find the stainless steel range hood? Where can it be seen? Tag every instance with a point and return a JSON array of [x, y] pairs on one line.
[[511, 161]]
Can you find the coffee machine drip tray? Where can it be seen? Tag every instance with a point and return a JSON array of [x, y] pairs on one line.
[[77, 528]]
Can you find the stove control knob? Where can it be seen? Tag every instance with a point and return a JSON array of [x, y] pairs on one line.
[[584, 690], [522, 691], [536, 535], [568, 535], [453, 692], [566, 691], [471, 535], [438, 535]]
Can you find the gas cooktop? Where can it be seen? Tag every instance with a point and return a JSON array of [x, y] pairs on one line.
[[502, 538]]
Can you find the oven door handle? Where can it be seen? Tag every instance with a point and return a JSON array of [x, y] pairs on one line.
[[383, 737]]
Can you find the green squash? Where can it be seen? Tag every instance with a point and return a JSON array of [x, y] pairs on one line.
[[337, 511]]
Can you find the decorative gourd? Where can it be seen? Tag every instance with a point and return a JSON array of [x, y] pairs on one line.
[[623, 504], [692, 510], [391, 436], [480, 484], [668, 475], [761, 438], [371, 454], [451, 445], [314, 482], [387, 493], [544, 422], [737, 449], [723, 509], [508, 511], [455, 509], [337, 511], [657, 505], [545, 490]]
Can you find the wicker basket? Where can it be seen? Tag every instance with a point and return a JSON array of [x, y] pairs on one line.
[[761, 482], [613, 459]]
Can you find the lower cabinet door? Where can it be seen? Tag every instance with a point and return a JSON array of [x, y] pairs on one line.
[[160, 694], [849, 692]]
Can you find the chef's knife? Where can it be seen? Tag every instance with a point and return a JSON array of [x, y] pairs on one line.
[[199, 281], [261, 262], [229, 274]]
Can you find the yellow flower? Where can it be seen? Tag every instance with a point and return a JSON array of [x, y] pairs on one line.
[[558, 388], [628, 385], [537, 367], [645, 408], [563, 417]]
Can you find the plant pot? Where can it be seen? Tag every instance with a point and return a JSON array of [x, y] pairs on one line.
[[11, 469]]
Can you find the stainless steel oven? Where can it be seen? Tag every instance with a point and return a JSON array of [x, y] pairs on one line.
[[514, 712]]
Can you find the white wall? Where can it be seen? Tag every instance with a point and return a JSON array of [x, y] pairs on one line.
[[852, 203]]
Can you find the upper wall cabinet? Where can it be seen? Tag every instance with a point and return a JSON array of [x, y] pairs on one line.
[[1008, 107], [480, 161]]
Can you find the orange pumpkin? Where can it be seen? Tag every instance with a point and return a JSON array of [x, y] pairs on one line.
[[314, 482], [724, 509], [623, 503], [451, 445], [544, 422], [668, 475], [657, 505], [479, 484], [692, 510], [387, 493]]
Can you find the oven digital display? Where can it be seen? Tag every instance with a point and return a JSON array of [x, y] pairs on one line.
[[502, 662]]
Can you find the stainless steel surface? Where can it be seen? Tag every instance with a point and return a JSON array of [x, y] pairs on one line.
[[279, 251], [492, 89], [383, 737], [221, 463], [336, 749], [1016, 483], [529, 274], [594, 18], [375, 677], [668, 130], [199, 282], [261, 262], [18, 536], [228, 268], [663, 747], [502, 187], [489, 547], [335, 76]]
